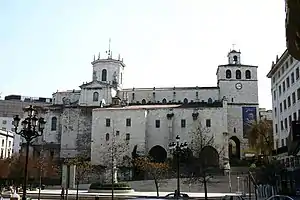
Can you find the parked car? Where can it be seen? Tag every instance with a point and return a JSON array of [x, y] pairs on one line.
[[279, 197], [174, 196]]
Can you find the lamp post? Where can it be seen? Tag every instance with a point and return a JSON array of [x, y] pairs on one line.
[[177, 148], [32, 127]]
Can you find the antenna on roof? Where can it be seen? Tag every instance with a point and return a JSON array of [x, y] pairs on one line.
[[108, 52]]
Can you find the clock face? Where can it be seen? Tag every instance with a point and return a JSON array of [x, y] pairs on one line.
[[238, 86]]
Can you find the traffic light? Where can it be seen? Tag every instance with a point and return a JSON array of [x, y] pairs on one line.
[[293, 28]]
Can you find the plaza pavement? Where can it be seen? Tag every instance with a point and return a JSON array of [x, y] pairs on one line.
[[55, 194]]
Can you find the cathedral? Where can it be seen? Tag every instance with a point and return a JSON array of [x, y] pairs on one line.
[[84, 121]]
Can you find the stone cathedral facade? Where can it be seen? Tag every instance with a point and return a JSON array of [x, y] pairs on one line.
[[84, 121]]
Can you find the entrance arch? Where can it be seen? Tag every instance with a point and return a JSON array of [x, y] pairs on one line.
[[234, 148], [209, 156], [158, 153]]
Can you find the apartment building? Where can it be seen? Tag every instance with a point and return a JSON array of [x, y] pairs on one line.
[[285, 88], [6, 144]]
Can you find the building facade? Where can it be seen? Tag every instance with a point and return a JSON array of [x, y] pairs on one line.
[[285, 88], [13, 105], [6, 148], [83, 121]]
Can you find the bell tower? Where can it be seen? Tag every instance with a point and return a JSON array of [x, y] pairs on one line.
[[237, 81], [234, 57], [109, 70]]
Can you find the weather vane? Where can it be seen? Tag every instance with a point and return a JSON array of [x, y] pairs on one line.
[[109, 52], [233, 45]]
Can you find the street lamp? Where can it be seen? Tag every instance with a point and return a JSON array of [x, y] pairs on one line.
[[177, 148], [32, 127]]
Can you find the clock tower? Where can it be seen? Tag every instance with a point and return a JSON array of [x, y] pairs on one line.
[[237, 81]]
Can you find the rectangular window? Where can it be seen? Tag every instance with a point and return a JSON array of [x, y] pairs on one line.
[[128, 122], [275, 111], [197, 94], [273, 79], [283, 86], [2, 154], [278, 74], [289, 101], [294, 116], [279, 88], [157, 123], [280, 107], [287, 82], [3, 128], [183, 123], [133, 96], [117, 133], [107, 122], [127, 138], [281, 125], [298, 93], [274, 94], [290, 120], [282, 70], [3, 143], [297, 73], [4, 122], [285, 123], [208, 123], [284, 104], [294, 97], [9, 144], [276, 128], [292, 77], [282, 142]]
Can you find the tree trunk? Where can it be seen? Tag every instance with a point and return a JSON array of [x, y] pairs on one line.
[[77, 189], [156, 186], [205, 186]]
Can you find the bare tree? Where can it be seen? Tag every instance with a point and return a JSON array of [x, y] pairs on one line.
[[158, 171], [83, 167], [205, 155]]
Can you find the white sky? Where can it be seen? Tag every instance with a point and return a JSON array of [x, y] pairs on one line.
[[48, 45]]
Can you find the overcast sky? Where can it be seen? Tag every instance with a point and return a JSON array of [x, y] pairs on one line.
[[48, 45]]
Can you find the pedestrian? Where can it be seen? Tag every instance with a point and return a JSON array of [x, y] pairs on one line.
[[62, 194]]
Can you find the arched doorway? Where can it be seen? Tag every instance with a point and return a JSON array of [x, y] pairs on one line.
[[234, 148], [158, 153], [209, 157]]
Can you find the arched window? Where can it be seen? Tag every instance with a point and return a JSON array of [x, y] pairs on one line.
[[209, 100], [121, 78], [164, 101], [95, 96], [185, 100], [107, 136], [238, 74], [144, 101], [53, 124], [248, 74], [104, 75], [235, 58], [228, 73]]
